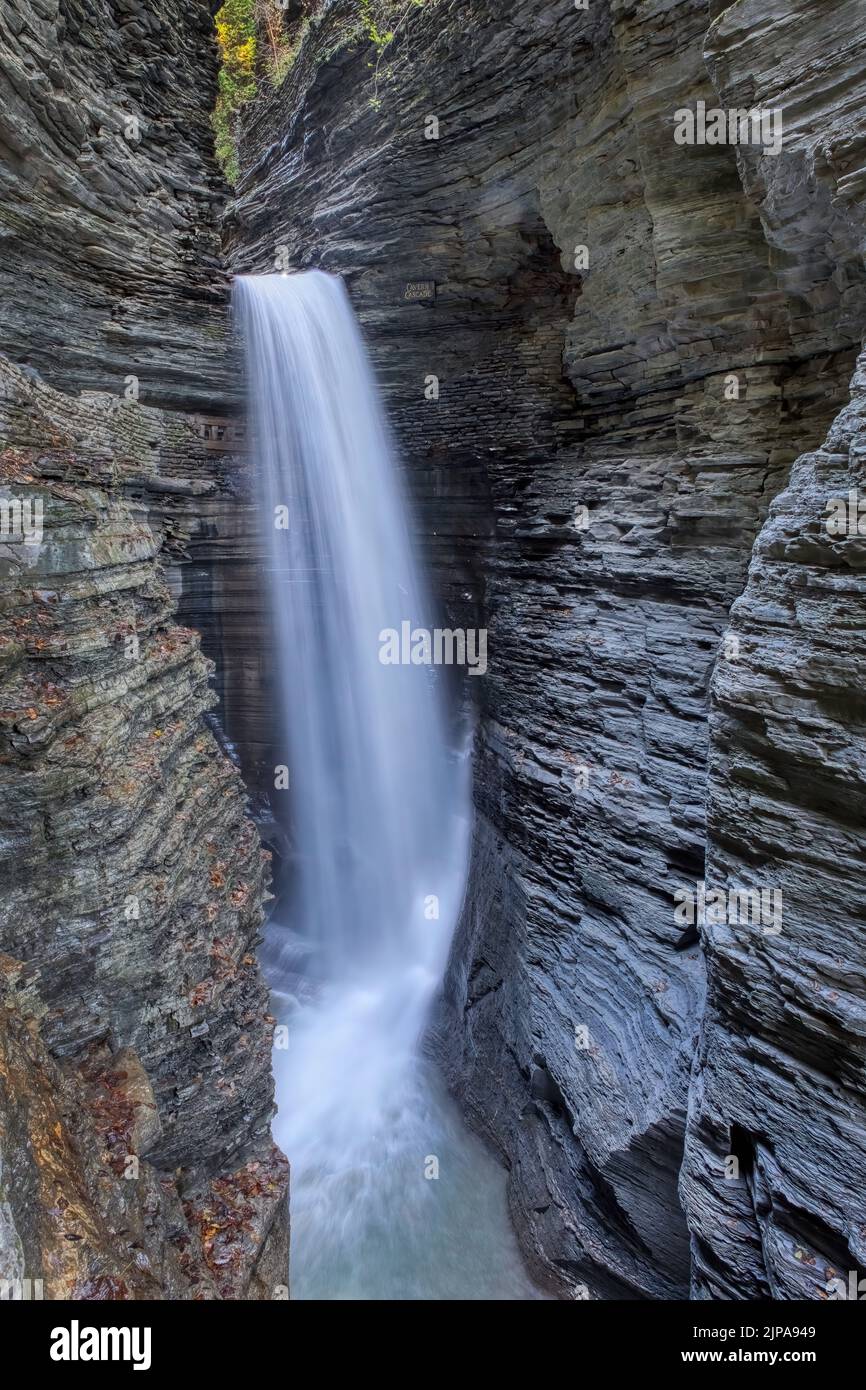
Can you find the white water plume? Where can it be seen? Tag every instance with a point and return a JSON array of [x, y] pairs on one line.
[[380, 825]]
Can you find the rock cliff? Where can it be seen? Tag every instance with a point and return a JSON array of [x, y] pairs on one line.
[[778, 1078], [622, 413], [632, 341], [133, 881]]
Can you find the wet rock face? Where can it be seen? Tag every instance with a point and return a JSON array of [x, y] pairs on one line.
[[632, 341], [133, 879]]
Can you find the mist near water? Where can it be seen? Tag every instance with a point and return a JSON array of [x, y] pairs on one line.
[[391, 1197]]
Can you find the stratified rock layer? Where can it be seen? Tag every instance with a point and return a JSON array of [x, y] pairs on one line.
[[133, 880], [778, 1084], [73, 1179], [132, 877], [111, 280], [627, 350], [778, 1080], [110, 197]]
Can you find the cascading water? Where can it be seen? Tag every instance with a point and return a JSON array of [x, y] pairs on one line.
[[380, 803]]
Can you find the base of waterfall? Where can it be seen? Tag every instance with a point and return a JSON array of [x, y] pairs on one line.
[[392, 1197]]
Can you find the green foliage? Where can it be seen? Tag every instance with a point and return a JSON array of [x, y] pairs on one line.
[[371, 14], [279, 48], [253, 45], [381, 19], [236, 36], [378, 17]]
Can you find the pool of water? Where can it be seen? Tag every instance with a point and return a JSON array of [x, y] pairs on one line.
[[392, 1197]]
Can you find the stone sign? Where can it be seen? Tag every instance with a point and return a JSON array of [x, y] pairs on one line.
[[420, 290]]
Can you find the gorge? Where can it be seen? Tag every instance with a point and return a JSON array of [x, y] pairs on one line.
[[624, 379]]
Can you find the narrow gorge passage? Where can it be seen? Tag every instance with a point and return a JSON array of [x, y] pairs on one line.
[[432, 655], [378, 779]]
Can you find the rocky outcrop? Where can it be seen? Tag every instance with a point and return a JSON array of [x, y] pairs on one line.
[[631, 342], [72, 1175], [83, 1215], [134, 881], [611, 412], [778, 1079], [81, 1206], [111, 278], [111, 197], [121, 817]]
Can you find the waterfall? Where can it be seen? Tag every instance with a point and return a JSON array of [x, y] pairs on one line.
[[380, 814]]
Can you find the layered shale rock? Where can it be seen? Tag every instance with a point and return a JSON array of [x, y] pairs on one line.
[[67, 1142], [81, 1207], [111, 277], [132, 877], [133, 880], [778, 1085], [106, 169], [627, 350]]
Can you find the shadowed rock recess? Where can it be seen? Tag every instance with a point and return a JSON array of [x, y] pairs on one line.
[[135, 1086], [673, 387], [621, 417]]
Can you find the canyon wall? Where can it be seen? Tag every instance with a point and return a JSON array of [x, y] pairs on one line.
[[135, 1087], [779, 1075], [632, 342], [622, 414]]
